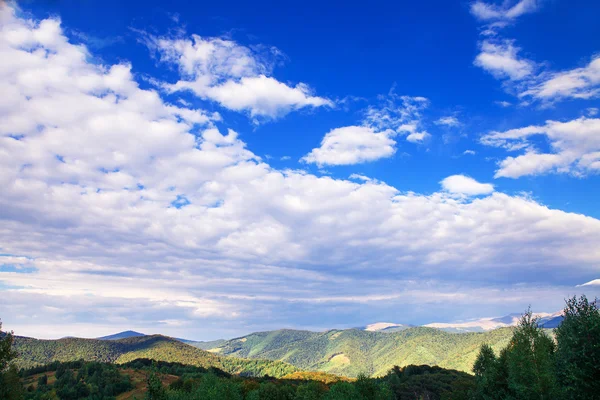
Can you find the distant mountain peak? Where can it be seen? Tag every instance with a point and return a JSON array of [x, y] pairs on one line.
[[121, 335], [380, 326], [545, 320]]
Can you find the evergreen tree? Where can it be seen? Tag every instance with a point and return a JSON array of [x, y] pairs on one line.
[[485, 369], [578, 354], [7, 354], [156, 391], [531, 362], [10, 384]]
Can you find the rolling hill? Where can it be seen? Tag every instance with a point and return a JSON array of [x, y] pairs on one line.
[[353, 351], [34, 352]]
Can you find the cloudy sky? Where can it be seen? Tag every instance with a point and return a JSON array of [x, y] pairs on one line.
[[208, 170]]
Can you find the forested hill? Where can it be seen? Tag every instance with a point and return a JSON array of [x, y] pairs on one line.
[[277, 353], [33, 352], [351, 352]]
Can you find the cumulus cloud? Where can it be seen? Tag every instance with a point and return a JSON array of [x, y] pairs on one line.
[[501, 59], [92, 168], [578, 83], [376, 137], [465, 185], [352, 145], [417, 137], [575, 148], [233, 75]]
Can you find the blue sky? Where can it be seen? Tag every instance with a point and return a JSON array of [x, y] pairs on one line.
[[210, 170]]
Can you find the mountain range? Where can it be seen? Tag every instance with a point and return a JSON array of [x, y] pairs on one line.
[[545, 320], [373, 349], [34, 352], [278, 353], [352, 352]]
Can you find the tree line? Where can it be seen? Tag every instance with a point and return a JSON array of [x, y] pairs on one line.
[[535, 367]]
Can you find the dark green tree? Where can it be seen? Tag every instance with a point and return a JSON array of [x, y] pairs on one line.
[[156, 391], [10, 384], [342, 391], [578, 353], [310, 391], [271, 391], [7, 354], [531, 362], [485, 369]]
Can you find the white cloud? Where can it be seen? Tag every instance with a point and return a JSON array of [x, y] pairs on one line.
[[448, 121], [464, 185], [418, 137], [523, 77], [92, 168], [401, 113], [360, 177], [352, 145], [469, 152], [376, 137], [581, 83], [575, 148], [504, 104], [501, 59], [592, 111], [595, 282], [508, 11], [234, 76]]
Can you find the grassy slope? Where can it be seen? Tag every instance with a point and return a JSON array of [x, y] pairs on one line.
[[34, 352], [351, 352]]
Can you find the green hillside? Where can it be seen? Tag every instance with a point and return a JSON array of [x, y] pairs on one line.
[[278, 353], [34, 352], [351, 352]]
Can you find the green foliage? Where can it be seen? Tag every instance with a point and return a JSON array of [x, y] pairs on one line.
[[342, 391], [75, 380], [310, 391], [429, 382], [10, 386], [578, 354], [485, 369], [156, 391], [530, 361], [208, 385], [532, 366], [352, 352], [7, 353], [33, 352]]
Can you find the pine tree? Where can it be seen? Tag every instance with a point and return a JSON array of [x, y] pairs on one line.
[[485, 368]]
